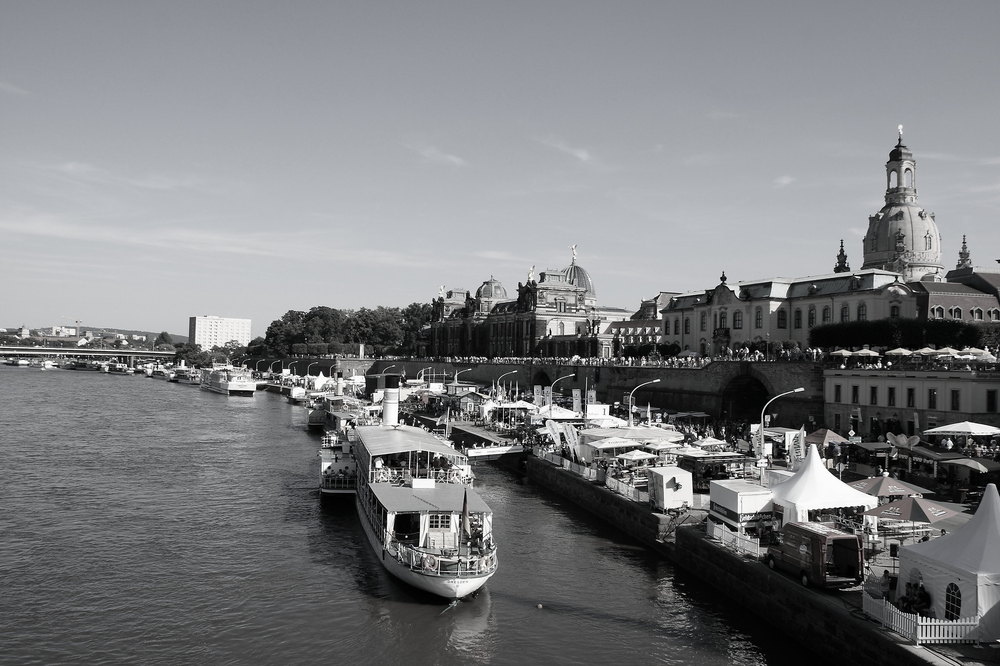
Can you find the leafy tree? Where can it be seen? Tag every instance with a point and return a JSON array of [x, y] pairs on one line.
[[163, 338]]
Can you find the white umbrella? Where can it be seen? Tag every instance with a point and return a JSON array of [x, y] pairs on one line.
[[899, 351], [964, 429], [866, 352], [947, 351], [842, 352], [636, 455], [974, 465]]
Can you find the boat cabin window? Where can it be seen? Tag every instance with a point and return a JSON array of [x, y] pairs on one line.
[[439, 521]]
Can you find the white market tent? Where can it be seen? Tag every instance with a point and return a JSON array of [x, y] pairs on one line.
[[964, 428], [962, 567], [813, 488]]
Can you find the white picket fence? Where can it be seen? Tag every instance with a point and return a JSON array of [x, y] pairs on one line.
[[918, 629], [737, 543]]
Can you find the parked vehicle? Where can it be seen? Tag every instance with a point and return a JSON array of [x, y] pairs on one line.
[[819, 554]]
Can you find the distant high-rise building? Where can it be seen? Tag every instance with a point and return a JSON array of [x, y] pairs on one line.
[[211, 331]]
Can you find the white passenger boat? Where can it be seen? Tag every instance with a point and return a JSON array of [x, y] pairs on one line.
[[228, 380], [419, 511]]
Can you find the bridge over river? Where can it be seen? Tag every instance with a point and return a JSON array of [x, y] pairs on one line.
[[130, 356]]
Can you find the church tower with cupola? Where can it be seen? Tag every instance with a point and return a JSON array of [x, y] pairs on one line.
[[903, 237]]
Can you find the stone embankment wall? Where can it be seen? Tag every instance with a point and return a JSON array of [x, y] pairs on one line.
[[827, 623]]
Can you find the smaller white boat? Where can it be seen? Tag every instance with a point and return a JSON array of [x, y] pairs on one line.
[[228, 380]]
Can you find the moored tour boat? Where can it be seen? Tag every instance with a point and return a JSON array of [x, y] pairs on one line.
[[228, 380], [418, 508]]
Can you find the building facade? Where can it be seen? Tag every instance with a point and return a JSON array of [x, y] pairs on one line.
[[902, 277], [556, 315], [210, 331]]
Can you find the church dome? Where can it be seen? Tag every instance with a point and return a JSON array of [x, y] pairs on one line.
[[903, 237], [491, 290], [578, 276]]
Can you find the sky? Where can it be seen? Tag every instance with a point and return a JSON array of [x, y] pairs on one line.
[[160, 160]]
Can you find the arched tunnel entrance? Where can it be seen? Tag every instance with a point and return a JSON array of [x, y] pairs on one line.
[[743, 398]]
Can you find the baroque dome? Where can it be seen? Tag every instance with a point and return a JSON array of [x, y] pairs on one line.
[[903, 237], [491, 289], [578, 275]]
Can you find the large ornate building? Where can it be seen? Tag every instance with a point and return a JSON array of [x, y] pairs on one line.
[[555, 315], [902, 276]]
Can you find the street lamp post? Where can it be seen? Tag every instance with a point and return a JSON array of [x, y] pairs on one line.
[[631, 393], [420, 375], [256, 366], [552, 386], [309, 366], [496, 384], [760, 434], [454, 380], [270, 368], [386, 369]]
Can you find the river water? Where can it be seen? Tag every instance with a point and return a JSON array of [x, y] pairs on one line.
[[156, 523]]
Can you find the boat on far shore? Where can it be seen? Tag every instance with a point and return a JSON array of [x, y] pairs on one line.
[[228, 380]]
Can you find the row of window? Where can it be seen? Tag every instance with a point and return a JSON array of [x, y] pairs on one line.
[[976, 314], [910, 397], [721, 320]]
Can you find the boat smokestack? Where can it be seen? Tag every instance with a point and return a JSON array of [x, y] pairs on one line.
[[339, 384], [390, 401]]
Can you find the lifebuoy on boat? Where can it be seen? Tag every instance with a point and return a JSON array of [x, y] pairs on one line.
[[429, 562]]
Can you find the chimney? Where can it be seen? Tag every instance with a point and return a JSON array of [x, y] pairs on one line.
[[390, 401]]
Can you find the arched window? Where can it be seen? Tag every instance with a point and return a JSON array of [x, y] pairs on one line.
[[862, 312], [937, 312], [827, 314], [782, 318], [737, 320], [994, 315], [797, 318], [908, 178], [893, 176], [894, 312], [952, 602], [977, 314], [561, 329], [957, 313], [723, 320], [687, 325], [811, 317], [845, 313], [703, 321], [758, 318], [677, 326], [928, 242]]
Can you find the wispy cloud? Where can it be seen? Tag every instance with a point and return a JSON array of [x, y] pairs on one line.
[[10, 89], [96, 175], [580, 154], [434, 155], [857, 231], [783, 181]]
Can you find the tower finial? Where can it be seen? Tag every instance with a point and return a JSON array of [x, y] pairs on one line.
[[900, 128], [573, 247]]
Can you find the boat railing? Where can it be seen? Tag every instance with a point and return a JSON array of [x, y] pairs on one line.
[[402, 475], [450, 562], [339, 481]]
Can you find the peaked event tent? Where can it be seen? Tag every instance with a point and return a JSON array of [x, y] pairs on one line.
[[962, 567], [812, 488]]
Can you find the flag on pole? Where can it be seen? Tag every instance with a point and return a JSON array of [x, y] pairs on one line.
[[466, 523]]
